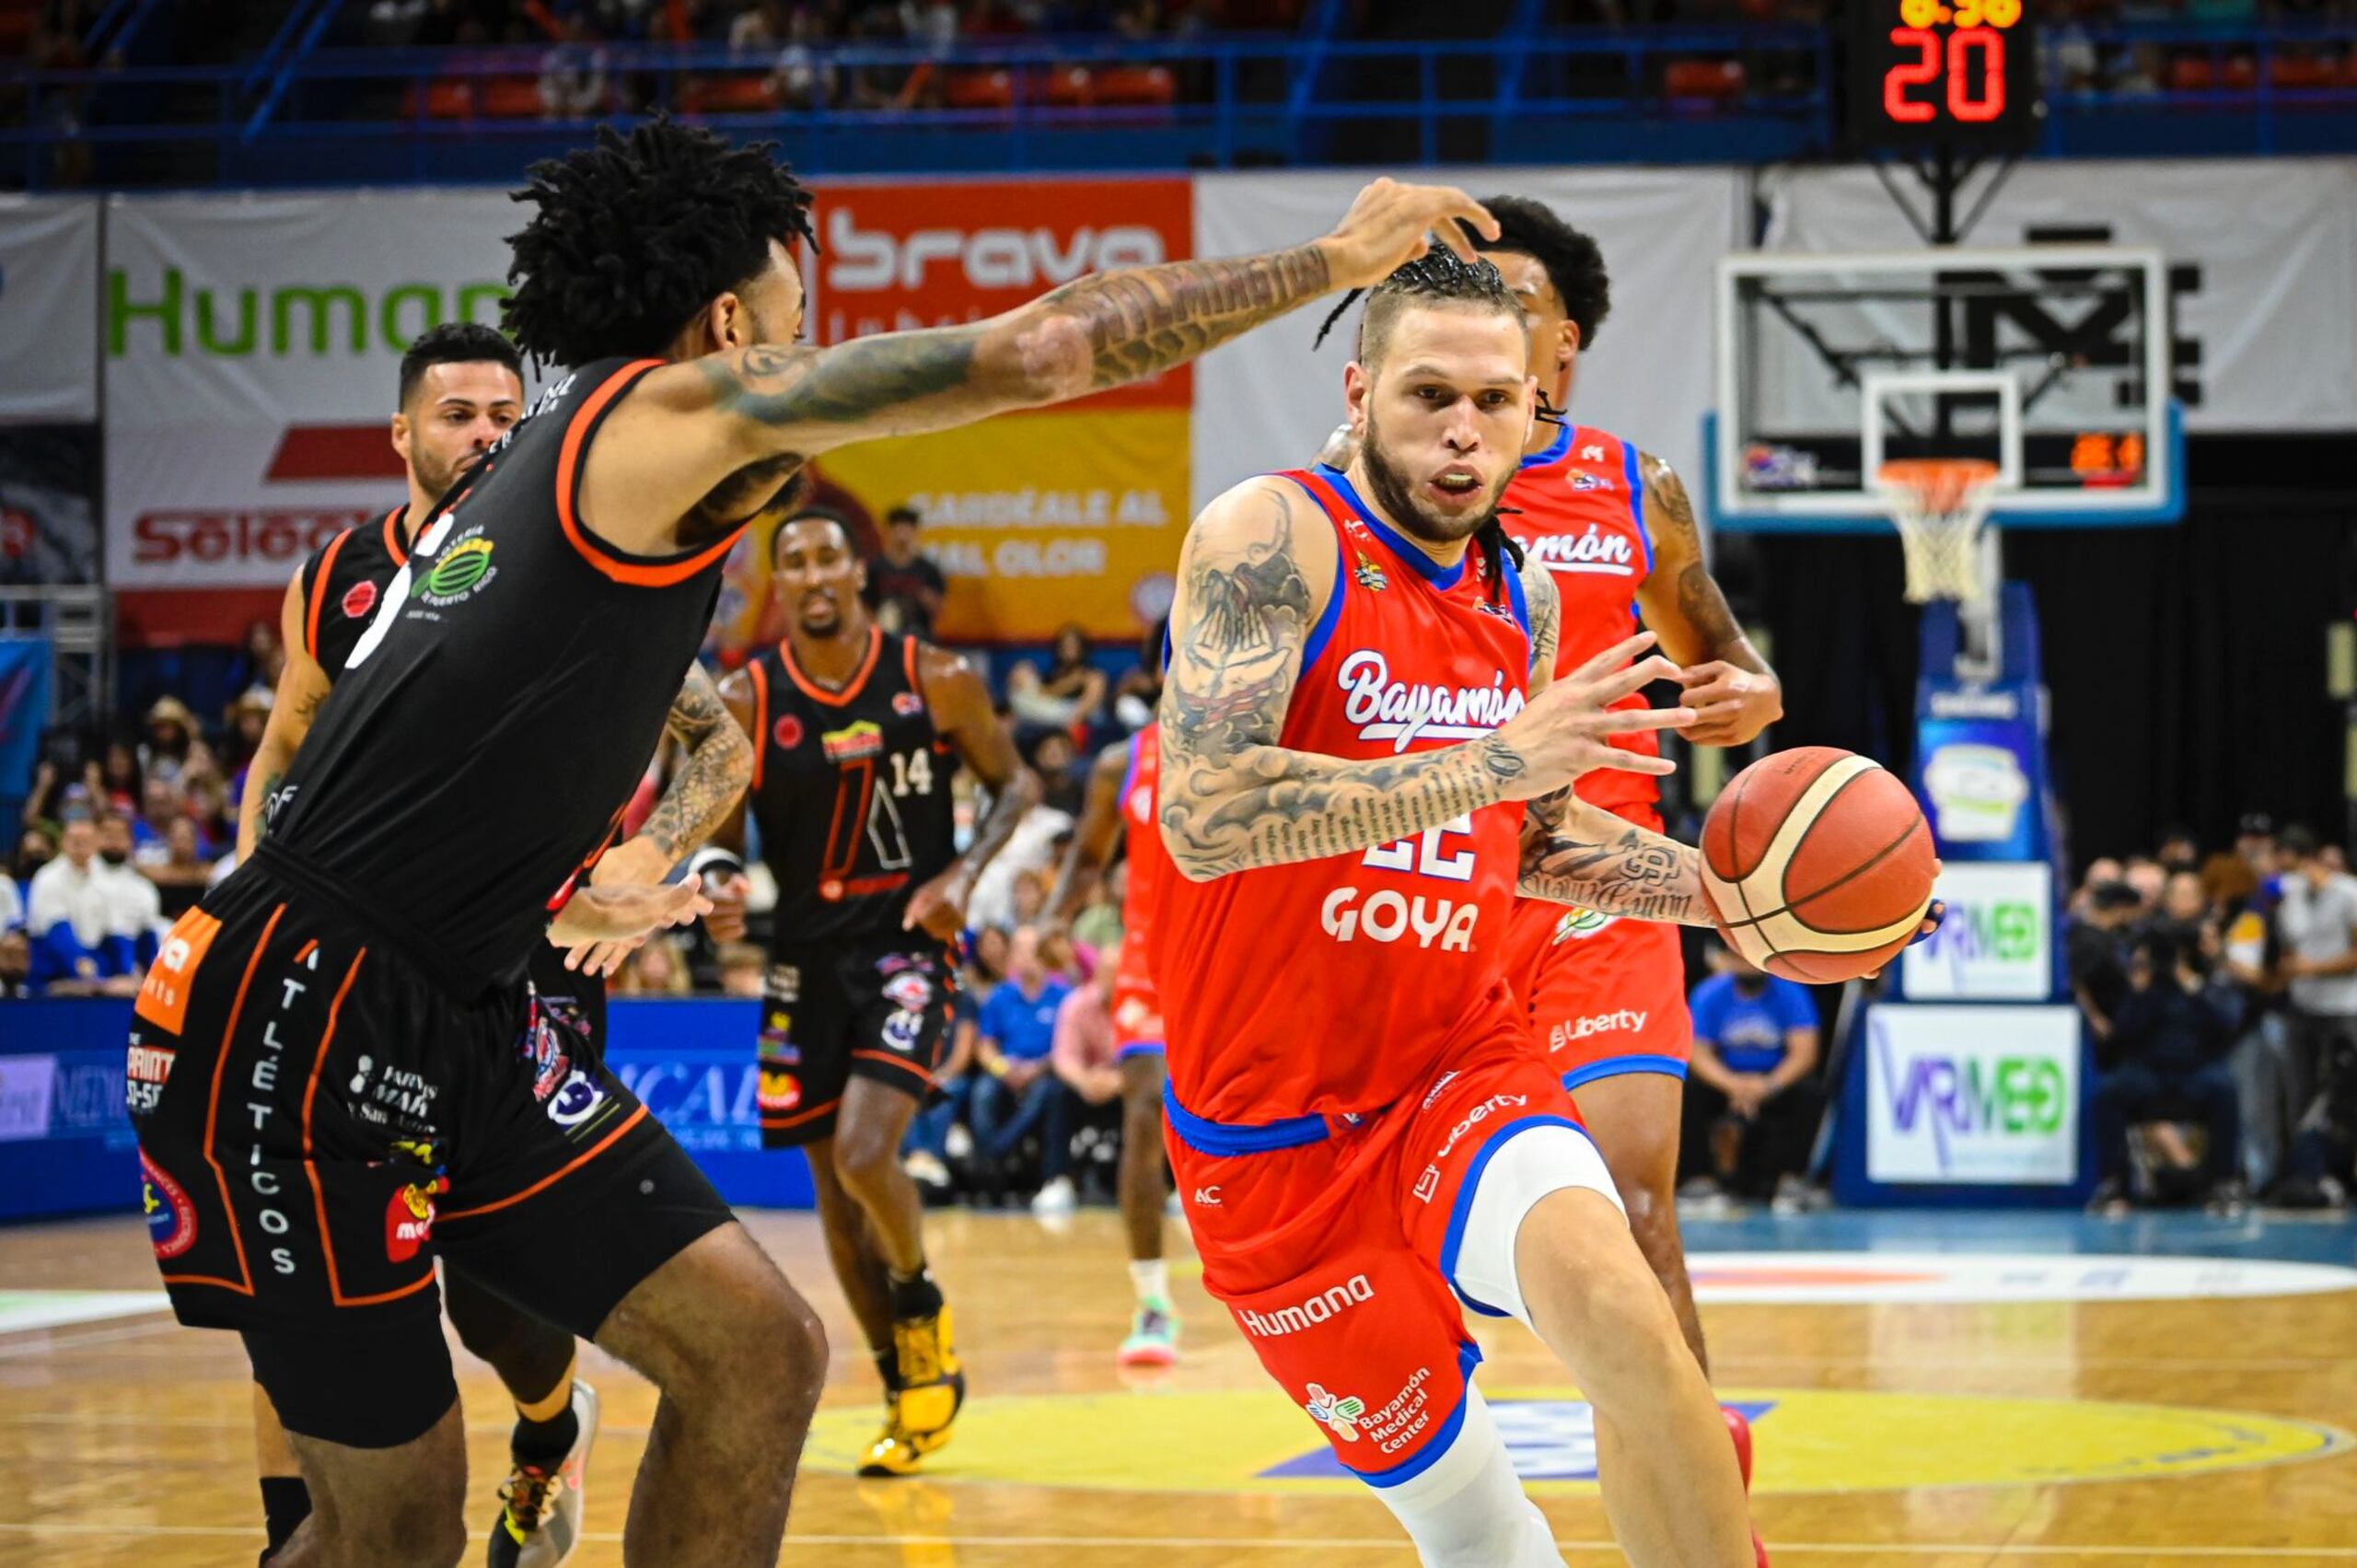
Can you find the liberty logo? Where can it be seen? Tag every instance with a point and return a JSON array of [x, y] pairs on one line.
[[1341, 1414]]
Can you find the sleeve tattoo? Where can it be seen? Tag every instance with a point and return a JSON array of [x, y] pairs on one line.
[[1579, 855], [1232, 798], [1545, 622], [719, 766], [1100, 332], [1699, 599]]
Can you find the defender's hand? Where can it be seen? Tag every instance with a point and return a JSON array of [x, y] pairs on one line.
[[1391, 223]]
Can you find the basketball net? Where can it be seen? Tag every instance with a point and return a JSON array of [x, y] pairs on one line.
[[1941, 506]]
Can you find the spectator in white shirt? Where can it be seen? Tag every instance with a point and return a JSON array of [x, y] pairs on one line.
[[2316, 920], [70, 918]]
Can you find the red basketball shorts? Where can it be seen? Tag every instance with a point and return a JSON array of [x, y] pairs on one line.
[[1137, 1015], [1348, 1256], [1605, 995]]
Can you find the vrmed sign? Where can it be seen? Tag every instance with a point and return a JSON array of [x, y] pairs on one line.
[[1972, 1095], [1998, 939]]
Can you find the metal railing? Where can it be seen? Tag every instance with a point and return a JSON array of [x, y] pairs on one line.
[[359, 115]]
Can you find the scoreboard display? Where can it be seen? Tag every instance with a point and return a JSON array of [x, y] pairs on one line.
[[1961, 74]]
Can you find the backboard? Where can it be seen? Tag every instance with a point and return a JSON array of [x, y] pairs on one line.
[[2052, 362]]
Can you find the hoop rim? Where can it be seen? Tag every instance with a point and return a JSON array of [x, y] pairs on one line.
[[1925, 474]]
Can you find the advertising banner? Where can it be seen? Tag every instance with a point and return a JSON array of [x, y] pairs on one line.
[[49, 309], [1984, 1096], [1268, 400], [1997, 943], [2263, 299]]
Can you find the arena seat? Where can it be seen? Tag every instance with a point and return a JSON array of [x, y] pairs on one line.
[[1136, 85], [1719, 80], [510, 98], [980, 89], [738, 93]]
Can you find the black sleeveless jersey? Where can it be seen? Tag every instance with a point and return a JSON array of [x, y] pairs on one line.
[[489, 727], [344, 581], [851, 790]]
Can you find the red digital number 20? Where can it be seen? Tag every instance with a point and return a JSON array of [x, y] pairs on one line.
[[1962, 103]]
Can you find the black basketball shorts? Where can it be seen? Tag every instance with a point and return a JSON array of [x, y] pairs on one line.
[[318, 1120], [877, 1008]]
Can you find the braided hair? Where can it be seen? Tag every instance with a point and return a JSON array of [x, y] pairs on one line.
[[637, 234], [1440, 276]]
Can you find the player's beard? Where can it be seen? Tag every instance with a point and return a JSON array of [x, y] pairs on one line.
[[1399, 501]]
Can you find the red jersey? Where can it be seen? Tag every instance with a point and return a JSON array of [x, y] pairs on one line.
[[1336, 987], [1150, 867], [1579, 508]]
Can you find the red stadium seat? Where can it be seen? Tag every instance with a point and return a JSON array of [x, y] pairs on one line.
[[729, 94], [1148, 85], [453, 97], [2242, 73], [510, 98], [16, 30], [1719, 79], [2303, 71], [980, 89], [2191, 74], [1067, 87]]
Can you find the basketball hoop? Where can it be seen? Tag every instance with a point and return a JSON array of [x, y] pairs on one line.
[[1941, 508]]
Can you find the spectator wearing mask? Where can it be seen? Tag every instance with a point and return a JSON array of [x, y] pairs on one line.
[[1751, 1099], [2164, 1057], [69, 916], [905, 587], [2100, 870], [138, 910], [2315, 919], [2097, 951], [1019, 1086], [1086, 1060]]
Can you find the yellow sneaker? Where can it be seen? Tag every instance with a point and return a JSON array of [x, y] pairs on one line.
[[894, 1452], [932, 1382]]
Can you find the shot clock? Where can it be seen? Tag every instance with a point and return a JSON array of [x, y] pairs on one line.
[[1960, 75]]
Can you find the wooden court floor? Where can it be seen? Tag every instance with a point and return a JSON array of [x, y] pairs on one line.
[[2099, 1433]]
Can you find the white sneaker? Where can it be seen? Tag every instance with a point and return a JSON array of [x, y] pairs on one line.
[[957, 1142], [925, 1170], [1056, 1198], [539, 1518]]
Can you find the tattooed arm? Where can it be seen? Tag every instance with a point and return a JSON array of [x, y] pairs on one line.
[[716, 767], [961, 710], [686, 428], [302, 687], [1254, 577], [1094, 837], [1728, 684]]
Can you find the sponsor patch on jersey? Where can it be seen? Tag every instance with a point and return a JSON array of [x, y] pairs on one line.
[[1590, 481], [786, 733], [163, 995], [907, 704], [864, 738], [408, 1219], [171, 1218], [359, 600], [461, 570], [1370, 576], [909, 990]]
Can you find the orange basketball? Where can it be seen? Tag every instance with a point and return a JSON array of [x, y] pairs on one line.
[[1818, 864]]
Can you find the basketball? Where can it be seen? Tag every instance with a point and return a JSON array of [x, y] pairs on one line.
[[1818, 864]]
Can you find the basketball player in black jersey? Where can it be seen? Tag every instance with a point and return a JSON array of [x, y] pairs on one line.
[[858, 736], [462, 385], [342, 1033]]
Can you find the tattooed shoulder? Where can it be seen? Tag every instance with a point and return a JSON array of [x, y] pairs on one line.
[[1546, 607], [1248, 611]]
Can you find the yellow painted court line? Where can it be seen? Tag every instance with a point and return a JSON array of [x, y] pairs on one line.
[[1333, 1543]]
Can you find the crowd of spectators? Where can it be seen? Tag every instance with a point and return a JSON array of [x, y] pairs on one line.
[[2220, 991]]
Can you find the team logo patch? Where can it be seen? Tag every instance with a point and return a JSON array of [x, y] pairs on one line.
[[359, 600], [1338, 1412], [832, 890], [1590, 481], [786, 733], [907, 704], [1580, 924], [780, 1090], [408, 1219], [909, 991], [864, 738], [458, 572], [1370, 576], [171, 1218], [579, 1105], [903, 1030]]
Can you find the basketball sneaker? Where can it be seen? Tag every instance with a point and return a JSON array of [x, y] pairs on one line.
[[1739, 1431], [1154, 1336], [539, 1516]]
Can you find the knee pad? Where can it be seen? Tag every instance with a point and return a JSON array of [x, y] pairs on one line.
[[1543, 1158], [1468, 1509], [374, 1388]]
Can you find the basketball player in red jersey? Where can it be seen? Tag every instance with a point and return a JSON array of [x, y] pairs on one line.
[[1121, 809], [461, 385], [1613, 525], [1357, 705]]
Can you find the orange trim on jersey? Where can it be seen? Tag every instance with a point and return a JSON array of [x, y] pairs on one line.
[[319, 594], [780, 1123], [921, 1075], [635, 573], [394, 546], [592, 1152], [761, 679], [850, 688], [311, 1167], [909, 663], [307, 949], [244, 1285]]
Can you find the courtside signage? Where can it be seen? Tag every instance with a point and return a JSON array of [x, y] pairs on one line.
[[1972, 1095]]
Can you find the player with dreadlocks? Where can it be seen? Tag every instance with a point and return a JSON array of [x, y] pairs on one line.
[[358, 987], [1358, 706]]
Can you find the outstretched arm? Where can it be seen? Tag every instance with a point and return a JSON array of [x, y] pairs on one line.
[[688, 427], [960, 706], [1254, 575], [1732, 693], [302, 687], [1092, 839]]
